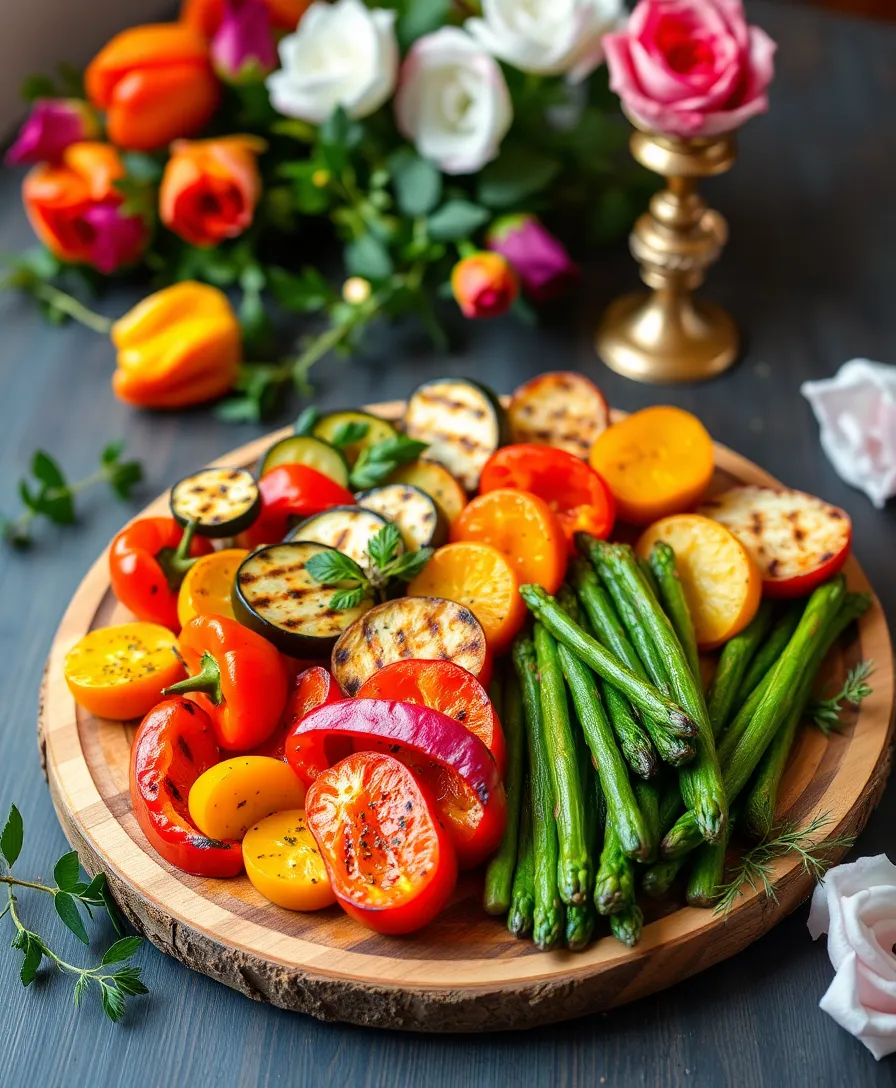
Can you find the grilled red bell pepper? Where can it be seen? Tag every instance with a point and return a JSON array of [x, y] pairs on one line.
[[290, 493], [311, 688], [147, 563], [174, 745], [238, 679]]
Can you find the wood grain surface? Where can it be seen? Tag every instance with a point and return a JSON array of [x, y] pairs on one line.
[[808, 273]]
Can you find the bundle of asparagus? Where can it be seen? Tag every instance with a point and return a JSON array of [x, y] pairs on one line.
[[620, 770]]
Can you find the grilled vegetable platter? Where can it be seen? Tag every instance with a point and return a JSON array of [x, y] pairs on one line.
[[524, 644]]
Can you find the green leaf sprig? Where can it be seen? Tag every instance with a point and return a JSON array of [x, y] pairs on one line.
[[50, 495], [377, 462], [755, 867], [355, 584], [115, 977], [825, 713]]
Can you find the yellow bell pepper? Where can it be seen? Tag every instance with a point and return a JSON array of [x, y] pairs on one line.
[[179, 346], [207, 585]]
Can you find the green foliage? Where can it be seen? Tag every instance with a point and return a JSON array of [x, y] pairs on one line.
[[825, 713], [70, 896], [518, 173], [456, 220]]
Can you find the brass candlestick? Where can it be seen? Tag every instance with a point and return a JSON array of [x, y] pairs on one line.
[[667, 335]]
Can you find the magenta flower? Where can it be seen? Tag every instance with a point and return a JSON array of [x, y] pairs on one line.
[[243, 48], [544, 267], [52, 125], [117, 240]]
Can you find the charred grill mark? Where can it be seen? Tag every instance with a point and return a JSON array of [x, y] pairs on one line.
[[441, 400], [188, 706], [203, 842], [773, 567], [173, 790], [340, 540], [464, 615], [184, 747]]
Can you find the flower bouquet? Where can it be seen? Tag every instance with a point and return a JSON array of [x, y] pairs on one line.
[[214, 154]]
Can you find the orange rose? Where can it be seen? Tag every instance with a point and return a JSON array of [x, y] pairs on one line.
[[206, 15], [210, 188], [74, 208], [155, 83]]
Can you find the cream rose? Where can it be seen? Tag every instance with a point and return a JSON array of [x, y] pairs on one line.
[[452, 101], [856, 907], [550, 37], [342, 54]]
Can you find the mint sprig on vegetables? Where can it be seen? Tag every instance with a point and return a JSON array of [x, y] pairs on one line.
[[353, 583], [825, 713], [377, 463], [49, 495], [115, 977]]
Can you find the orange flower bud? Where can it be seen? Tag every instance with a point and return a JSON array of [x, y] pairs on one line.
[[74, 208], [155, 83], [210, 188], [179, 346], [484, 285], [206, 15]]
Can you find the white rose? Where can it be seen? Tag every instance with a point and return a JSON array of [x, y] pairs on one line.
[[856, 907], [452, 101], [342, 54], [550, 37]]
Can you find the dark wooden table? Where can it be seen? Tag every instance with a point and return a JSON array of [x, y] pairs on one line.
[[809, 273]]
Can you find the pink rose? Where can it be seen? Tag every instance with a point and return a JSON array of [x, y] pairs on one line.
[[243, 49], [690, 67], [540, 260], [114, 240], [52, 125]]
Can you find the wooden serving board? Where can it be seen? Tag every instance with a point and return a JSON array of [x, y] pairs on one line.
[[464, 972]]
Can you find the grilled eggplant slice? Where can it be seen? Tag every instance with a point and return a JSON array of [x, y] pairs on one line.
[[348, 529], [561, 409], [276, 596], [304, 449], [437, 482], [219, 501], [328, 428], [421, 627], [417, 515], [462, 422]]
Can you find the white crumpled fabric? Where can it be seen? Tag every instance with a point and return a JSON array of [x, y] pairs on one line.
[[857, 413], [856, 906]]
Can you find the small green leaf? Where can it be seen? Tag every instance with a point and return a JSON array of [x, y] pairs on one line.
[[12, 836], [421, 17], [81, 988], [121, 950], [408, 566], [347, 432], [111, 906], [456, 219], [302, 292], [34, 954], [369, 258], [345, 599], [517, 174], [128, 981], [332, 568], [113, 1002], [37, 86], [123, 478], [67, 909], [308, 417], [45, 469], [67, 871], [112, 453], [384, 544], [94, 890], [239, 410], [418, 184]]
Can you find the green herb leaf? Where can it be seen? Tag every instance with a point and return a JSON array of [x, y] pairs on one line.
[[82, 985], [53, 500], [369, 258], [455, 220], [115, 916], [302, 292], [12, 836], [331, 568], [349, 431], [379, 461], [67, 909], [825, 713], [121, 950], [67, 871], [33, 948], [384, 544], [407, 567], [418, 184], [304, 425], [516, 174], [113, 1001], [128, 981], [345, 599]]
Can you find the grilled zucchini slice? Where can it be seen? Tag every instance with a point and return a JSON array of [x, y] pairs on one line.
[[378, 430], [219, 501], [304, 449], [348, 529], [437, 482], [417, 515], [462, 422], [276, 596], [421, 627], [561, 409]]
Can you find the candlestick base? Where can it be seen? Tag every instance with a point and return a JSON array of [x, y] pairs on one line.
[[666, 337]]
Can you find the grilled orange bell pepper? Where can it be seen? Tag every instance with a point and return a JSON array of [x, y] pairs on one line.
[[177, 347], [238, 679], [155, 83]]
